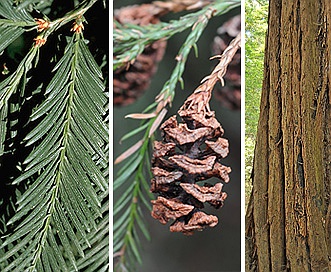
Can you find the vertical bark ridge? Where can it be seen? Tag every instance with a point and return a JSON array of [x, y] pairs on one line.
[[289, 215], [327, 129], [313, 84], [258, 218], [275, 145], [291, 77]]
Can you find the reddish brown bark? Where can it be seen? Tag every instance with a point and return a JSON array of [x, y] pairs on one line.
[[288, 217]]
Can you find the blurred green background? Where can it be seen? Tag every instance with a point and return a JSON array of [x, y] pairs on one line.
[[214, 249], [256, 23]]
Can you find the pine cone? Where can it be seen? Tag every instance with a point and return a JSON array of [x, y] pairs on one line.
[[189, 153], [230, 94], [131, 81]]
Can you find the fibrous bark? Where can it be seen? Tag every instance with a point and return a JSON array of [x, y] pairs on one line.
[[288, 216]]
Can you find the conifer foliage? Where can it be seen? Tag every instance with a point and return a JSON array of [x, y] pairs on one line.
[[165, 167], [53, 138]]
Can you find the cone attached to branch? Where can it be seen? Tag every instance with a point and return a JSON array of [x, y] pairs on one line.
[[190, 153]]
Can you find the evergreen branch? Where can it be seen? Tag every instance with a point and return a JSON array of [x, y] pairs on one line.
[[130, 40], [97, 255], [167, 93], [78, 12], [17, 18], [3, 228], [10, 29], [128, 214], [14, 84], [61, 206], [14, 23], [48, 27], [37, 4], [9, 86], [9, 32], [126, 239], [13, 14]]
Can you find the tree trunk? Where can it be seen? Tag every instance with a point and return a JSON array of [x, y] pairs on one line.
[[288, 224]]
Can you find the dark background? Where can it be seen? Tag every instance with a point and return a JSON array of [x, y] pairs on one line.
[[214, 249]]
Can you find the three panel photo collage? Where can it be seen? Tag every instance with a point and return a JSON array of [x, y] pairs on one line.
[[207, 148]]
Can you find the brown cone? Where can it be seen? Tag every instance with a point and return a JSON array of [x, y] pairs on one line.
[[189, 152]]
